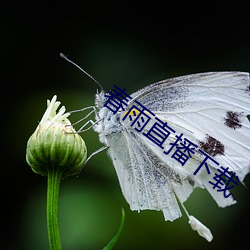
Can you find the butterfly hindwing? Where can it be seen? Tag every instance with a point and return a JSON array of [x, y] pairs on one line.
[[139, 172]]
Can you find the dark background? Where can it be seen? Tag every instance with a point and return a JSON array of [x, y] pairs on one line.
[[130, 44]]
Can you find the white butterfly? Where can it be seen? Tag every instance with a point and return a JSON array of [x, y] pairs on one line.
[[209, 109]]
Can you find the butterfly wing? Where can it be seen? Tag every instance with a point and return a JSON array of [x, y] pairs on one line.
[[209, 104], [144, 185], [210, 109]]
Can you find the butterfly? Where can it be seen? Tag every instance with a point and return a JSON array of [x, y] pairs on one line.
[[210, 110]]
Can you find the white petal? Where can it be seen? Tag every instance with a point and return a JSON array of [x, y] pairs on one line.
[[51, 114], [200, 228]]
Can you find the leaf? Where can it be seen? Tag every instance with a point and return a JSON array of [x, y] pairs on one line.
[[117, 234]]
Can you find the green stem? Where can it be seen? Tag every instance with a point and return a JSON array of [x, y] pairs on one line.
[[54, 177]]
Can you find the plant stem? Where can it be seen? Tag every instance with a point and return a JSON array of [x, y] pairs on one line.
[[54, 177]]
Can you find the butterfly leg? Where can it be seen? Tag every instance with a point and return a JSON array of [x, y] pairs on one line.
[[86, 116], [92, 154], [80, 130], [96, 152]]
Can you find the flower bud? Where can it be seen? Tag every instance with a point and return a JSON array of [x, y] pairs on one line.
[[55, 144]]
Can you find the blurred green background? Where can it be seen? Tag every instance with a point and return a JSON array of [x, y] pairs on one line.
[[131, 45]]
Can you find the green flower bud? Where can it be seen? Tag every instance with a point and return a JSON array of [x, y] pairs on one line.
[[55, 144]]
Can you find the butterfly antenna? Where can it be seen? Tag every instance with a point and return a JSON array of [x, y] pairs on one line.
[[90, 76]]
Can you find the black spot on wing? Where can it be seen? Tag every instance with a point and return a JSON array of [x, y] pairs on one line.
[[248, 117], [233, 119], [212, 146], [191, 181]]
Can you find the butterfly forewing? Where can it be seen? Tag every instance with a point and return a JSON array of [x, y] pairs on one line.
[[210, 108]]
